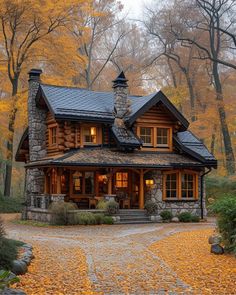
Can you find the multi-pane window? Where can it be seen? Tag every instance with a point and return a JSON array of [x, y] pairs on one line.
[[171, 185], [53, 135], [77, 183], [146, 135], [90, 135], [83, 183], [180, 185], [187, 185], [89, 182], [121, 179], [163, 137]]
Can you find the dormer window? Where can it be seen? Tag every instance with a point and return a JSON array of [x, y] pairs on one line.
[[53, 135], [146, 134], [90, 135], [163, 137]]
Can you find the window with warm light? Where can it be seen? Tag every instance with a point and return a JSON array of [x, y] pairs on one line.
[[90, 135], [146, 135], [180, 185], [121, 179], [77, 183]]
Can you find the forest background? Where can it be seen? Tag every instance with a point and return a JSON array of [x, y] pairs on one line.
[[187, 48]]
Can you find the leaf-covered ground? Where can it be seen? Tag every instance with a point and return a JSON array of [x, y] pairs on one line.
[[188, 254]]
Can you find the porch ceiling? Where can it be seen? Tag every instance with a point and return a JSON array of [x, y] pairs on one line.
[[104, 157]]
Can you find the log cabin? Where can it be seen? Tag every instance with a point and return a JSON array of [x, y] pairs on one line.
[[82, 146]]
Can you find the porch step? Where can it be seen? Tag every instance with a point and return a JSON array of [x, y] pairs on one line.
[[132, 216], [134, 222]]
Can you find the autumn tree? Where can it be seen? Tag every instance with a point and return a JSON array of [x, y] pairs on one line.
[[24, 27]]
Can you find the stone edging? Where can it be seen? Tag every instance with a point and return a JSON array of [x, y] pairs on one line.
[[20, 266]]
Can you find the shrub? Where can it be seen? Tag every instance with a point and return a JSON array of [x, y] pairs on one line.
[[8, 253], [10, 205], [84, 218], [98, 218], [185, 217], [101, 205], [2, 231], [108, 220], [60, 214], [195, 218], [6, 279], [112, 207], [166, 215], [225, 209], [151, 207]]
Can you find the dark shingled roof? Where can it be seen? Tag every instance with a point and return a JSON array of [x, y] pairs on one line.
[[104, 157], [194, 147], [83, 104], [125, 137]]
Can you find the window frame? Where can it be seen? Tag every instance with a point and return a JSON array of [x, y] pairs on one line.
[[151, 144], [167, 145], [122, 180], [98, 135], [154, 145], [50, 135], [83, 183], [179, 174]]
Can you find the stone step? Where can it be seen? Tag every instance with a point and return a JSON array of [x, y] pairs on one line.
[[134, 222], [134, 218]]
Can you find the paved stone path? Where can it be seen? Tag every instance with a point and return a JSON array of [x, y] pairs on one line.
[[118, 257]]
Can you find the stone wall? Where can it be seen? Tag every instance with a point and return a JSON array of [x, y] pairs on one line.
[[176, 207]]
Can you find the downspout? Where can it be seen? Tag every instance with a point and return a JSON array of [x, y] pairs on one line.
[[202, 178]]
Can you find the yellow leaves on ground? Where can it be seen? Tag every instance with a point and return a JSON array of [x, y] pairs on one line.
[[50, 274], [188, 254]]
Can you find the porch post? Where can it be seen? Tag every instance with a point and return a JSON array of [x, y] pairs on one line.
[[58, 181], [110, 182], [141, 190]]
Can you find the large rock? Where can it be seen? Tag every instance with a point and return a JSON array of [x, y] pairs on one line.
[[19, 267], [175, 219], [215, 239], [9, 291], [217, 249]]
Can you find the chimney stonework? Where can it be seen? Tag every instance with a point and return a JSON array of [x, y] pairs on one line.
[[121, 101], [37, 137]]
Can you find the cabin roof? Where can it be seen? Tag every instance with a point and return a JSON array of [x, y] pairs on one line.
[[82, 104], [104, 157]]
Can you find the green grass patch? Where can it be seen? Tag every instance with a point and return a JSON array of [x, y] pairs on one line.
[[31, 222]]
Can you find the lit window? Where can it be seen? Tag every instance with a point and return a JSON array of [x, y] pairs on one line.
[[163, 137], [146, 135], [53, 135], [121, 179], [90, 135], [77, 183]]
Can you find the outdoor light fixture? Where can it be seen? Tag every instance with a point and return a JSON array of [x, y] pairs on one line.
[[149, 182], [103, 178]]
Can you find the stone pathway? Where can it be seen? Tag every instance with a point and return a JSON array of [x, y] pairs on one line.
[[118, 258]]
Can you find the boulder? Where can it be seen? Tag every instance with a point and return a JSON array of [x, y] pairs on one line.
[[9, 291], [217, 249], [19, 267], [175, 219], [215, 239]]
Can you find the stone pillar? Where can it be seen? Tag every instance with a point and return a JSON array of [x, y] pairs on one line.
[[37, 137]]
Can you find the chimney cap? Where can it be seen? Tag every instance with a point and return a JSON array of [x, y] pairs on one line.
[[120, 81], [34, 74]]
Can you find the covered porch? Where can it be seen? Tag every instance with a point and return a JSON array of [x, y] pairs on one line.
[[85, 186]]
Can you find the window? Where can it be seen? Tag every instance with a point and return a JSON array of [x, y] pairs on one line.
[[121, 179], [171, 185], [163, 137], [83, 183], [187, 185], [53, 189], [89, 182], [156, 137], [180, 185], [77, 183], [90, 135], [146, 135], [53, 135]]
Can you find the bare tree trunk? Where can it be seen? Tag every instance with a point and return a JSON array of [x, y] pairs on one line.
[[213, 140], [11, 130], [191, 95], [229, 153]]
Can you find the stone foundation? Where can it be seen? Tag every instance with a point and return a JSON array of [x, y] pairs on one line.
[[176, 207]]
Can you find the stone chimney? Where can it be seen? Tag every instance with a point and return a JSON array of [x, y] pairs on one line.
[[37, 134], [121, 101]]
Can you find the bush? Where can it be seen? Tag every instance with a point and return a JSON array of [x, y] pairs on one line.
[[185, 217], [60, 214], [151, 207], [108, 220], [225, 209], [6, 279], [101, 205], [195, 218], [84, 218], [98, 218], [10, 205], [2, 231], [8, 253], [112, 207], [166, 215]]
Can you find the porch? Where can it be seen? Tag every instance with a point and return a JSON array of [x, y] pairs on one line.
[[86, 186]]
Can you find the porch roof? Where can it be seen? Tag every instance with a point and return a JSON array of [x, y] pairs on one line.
[[104, 157]]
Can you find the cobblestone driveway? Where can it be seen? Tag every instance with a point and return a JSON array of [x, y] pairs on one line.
[[118, 258]]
